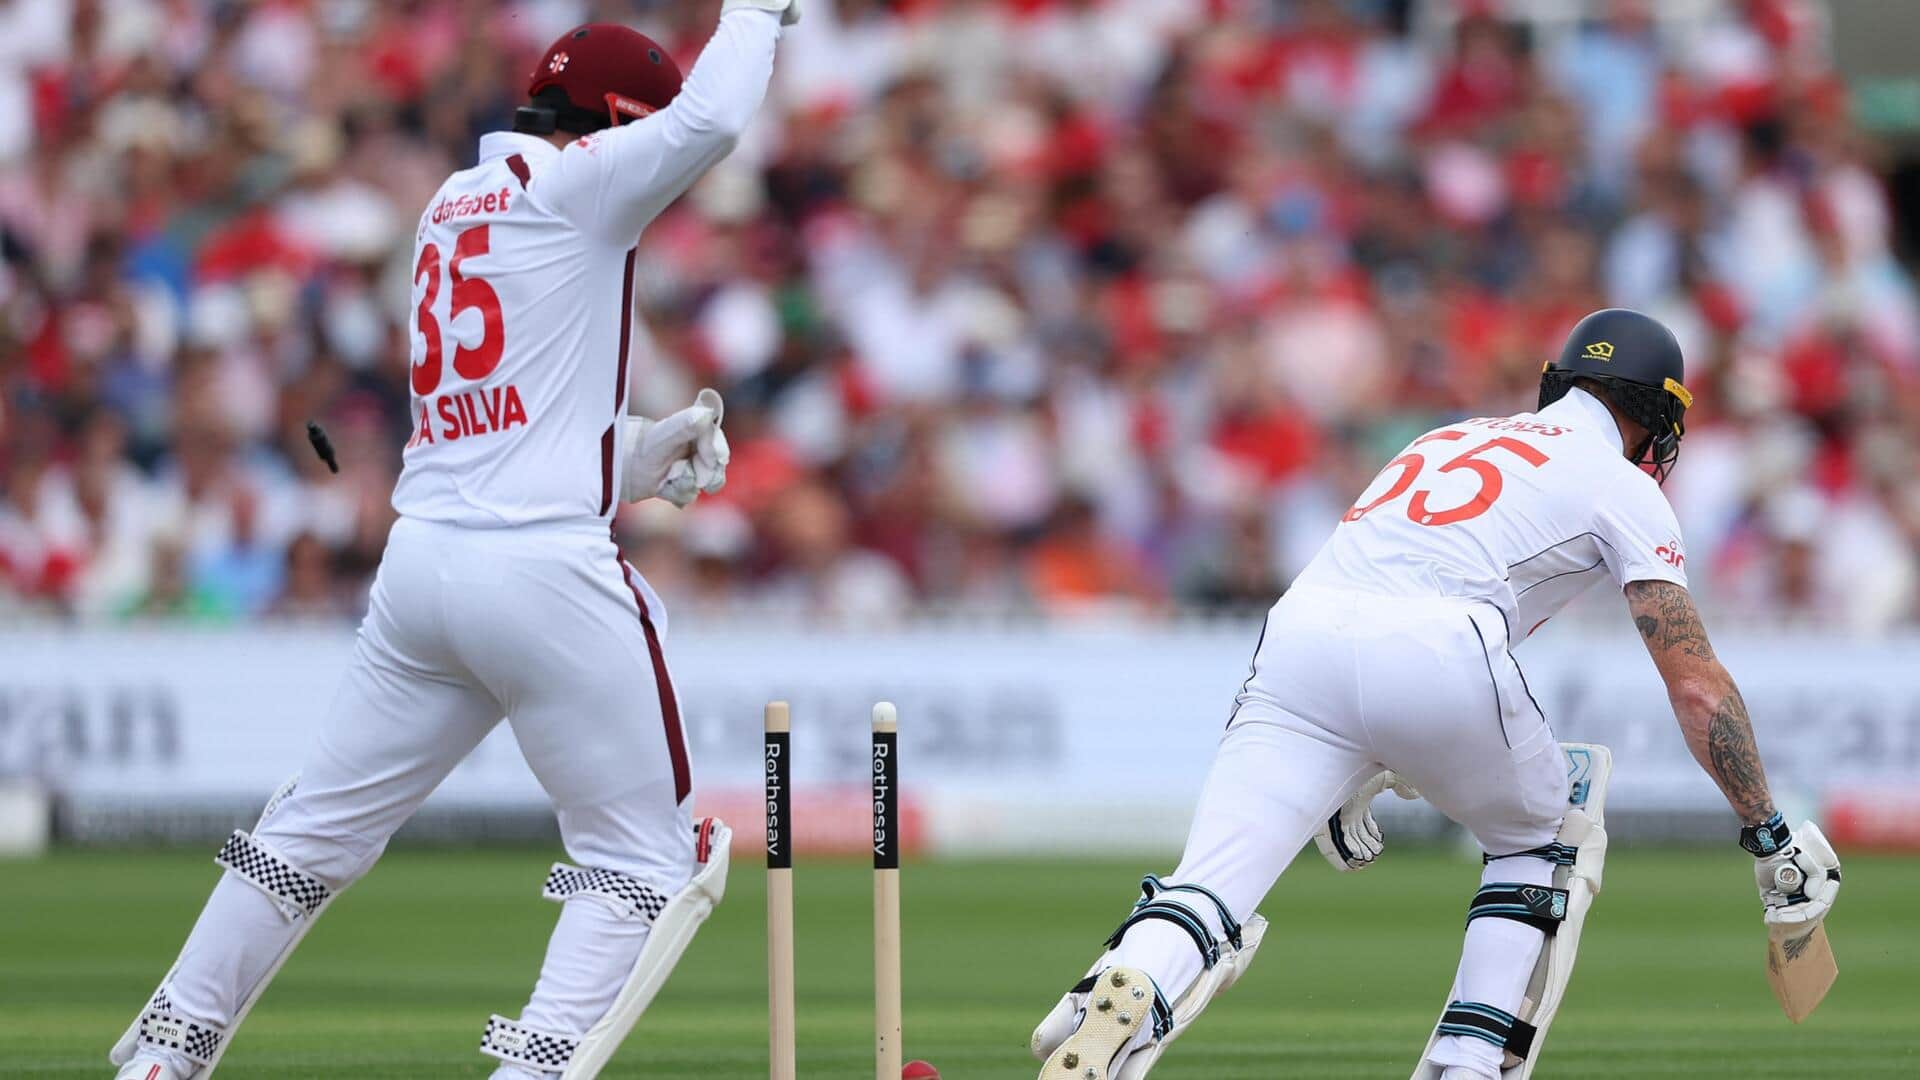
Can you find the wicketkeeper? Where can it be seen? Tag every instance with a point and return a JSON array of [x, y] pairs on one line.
[[501, 592]]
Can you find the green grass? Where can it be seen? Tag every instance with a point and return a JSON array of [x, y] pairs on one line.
[[398, 980]]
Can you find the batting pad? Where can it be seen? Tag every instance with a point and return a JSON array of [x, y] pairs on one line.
[[1212, 982], [159, 1027], [1579, 853], [301, 897], [1079, 1017], [517, 1044], [673, 930]]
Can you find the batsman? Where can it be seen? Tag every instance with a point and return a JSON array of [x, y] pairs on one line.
[[501, 593], [1390, 663]]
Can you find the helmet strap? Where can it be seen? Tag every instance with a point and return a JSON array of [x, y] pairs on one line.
[[534, 120], [562, 115]]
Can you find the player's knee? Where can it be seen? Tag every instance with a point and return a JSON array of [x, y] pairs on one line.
[[328, 851], [310, 842], [1517, 832], [668, 871], [654, 847], [1526, 867], [627, 897]]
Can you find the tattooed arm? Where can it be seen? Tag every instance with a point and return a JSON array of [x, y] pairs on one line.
[[1711, 713]]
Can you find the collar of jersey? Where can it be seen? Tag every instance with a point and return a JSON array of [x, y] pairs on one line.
[[498, 144], [1589, 413]]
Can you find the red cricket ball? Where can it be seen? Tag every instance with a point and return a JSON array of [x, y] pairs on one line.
[[918, 1070]]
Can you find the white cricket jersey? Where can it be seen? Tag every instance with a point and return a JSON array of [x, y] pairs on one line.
[[1523, 512], [522, 310]]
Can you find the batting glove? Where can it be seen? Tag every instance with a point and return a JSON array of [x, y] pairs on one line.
[[788, 10], [1351, 838], [1797, 871], [679, 457]]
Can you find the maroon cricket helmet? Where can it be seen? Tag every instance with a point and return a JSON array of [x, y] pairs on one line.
[[596, 76]]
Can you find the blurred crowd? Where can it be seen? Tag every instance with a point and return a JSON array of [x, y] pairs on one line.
[[1017, 305]]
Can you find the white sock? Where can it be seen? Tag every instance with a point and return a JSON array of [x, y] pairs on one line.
[[1496, 962]]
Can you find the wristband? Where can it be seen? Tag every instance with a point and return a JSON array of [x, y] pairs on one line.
[[1766, 838]]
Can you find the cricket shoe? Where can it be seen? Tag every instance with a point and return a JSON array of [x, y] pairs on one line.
[[1105, 1018], [1138, 1056], [1212, 982], [152, 1067]]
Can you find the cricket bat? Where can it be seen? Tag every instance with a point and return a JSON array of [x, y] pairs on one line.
[[1800, 968]]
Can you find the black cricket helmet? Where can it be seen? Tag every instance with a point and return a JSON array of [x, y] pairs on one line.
[[1637, 363]]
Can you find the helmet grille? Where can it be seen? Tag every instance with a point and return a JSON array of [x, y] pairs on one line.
[[1656, 408]]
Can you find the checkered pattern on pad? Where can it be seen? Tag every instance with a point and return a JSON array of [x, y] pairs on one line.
[[162, 1027], [565, 881], [518, 1044], [273, 875]]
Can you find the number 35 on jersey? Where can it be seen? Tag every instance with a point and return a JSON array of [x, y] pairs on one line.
[[469, 321]]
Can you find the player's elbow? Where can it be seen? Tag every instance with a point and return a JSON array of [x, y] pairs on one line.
[[1696, 698], [708, 142], [712, 130], [718, 132]]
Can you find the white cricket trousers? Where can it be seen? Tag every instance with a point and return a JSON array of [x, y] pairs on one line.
[[545, 626], [1342, 686]]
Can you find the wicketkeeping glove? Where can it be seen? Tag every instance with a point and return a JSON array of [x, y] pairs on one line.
[[1351, 839], [679, 457], [1797, 871], [788, 10]]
